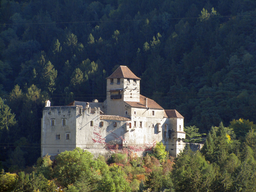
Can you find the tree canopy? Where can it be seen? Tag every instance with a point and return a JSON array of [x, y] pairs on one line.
[[195, 56]]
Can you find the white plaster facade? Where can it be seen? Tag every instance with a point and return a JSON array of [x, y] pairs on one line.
[[125, 119]]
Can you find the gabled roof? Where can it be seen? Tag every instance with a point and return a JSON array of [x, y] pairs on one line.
[[142, 104], [172, 113], [123, 72]]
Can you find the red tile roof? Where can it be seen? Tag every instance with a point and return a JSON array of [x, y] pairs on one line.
[[123, 72], [172, 113], [142, 104]]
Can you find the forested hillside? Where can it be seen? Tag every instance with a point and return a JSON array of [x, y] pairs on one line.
[[197, 56]]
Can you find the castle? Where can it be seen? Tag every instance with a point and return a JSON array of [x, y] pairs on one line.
[[125, 120]]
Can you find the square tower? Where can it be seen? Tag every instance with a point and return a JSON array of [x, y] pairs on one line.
[[122, 85]]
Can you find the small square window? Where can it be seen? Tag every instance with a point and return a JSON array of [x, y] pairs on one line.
[[91, 123], [58, 137], [52, 122], [64, 122], [67, 136]]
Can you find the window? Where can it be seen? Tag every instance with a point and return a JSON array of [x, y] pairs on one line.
[[52, 122], [101, 124], [180, 127], [130, 125], [91, 123], [80, 111], [111, 81], [126, 112], [67, 136], [64, 122], [130, 95], [116, 95], [134, 124], [169, 134], [58, 137], [158, 127], [141, 124], [115, 124], [153, 113], [118, 80], [135, 112]]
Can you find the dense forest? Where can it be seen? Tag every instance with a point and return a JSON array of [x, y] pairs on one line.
[[196, 56]]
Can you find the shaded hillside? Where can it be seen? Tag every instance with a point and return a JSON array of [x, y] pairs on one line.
[[196, 56]]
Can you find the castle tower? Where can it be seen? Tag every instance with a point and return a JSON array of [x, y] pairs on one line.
[[174, 133], [122, 85]]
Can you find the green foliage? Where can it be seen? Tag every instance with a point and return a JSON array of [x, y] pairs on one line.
[[241, 127], [44, 166], [32, 182], [192, 135], [119, 158], [7, 118], [250, 139], [218, 145], [7, 181], [114, 180], [245, 178], [159, 152], [192, 172], [72, 165], [205, 15]]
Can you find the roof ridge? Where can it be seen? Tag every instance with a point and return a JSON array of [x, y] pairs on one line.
[[123, 72]]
